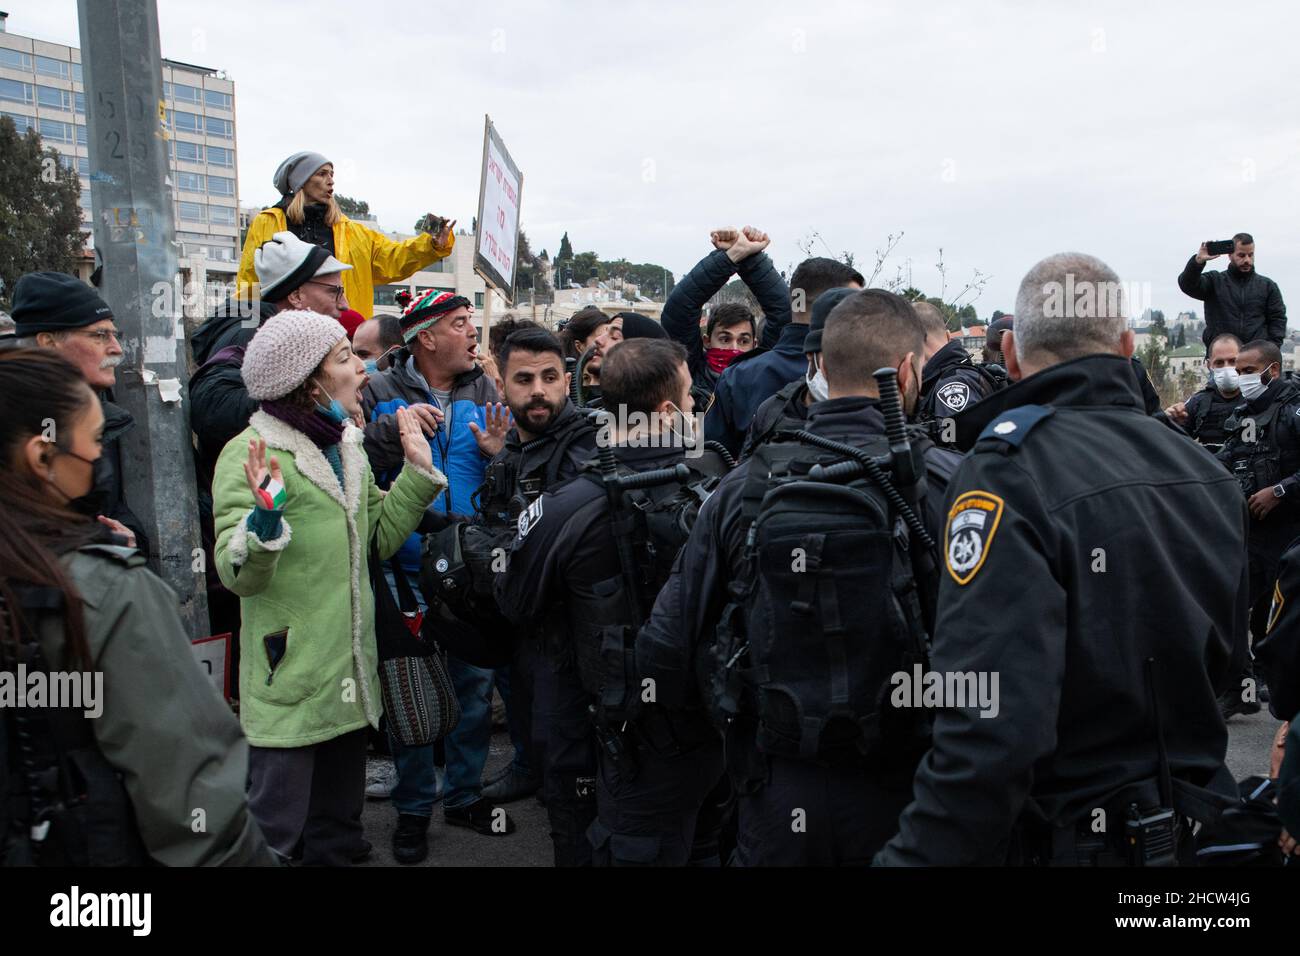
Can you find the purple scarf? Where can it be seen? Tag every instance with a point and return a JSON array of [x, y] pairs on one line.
[[318, 428]]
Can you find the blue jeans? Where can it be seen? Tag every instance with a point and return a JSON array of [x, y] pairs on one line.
[[467, 744], [417, 782]]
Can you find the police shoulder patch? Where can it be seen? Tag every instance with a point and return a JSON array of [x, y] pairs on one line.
[[956, 395], [972, 522], [529, 517], [1013, 426]]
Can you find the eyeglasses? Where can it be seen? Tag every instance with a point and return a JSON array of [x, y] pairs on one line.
[[336, 289], [101, 336]]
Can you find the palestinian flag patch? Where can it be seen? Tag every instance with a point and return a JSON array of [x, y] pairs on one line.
[[271, 494], [972, 522]]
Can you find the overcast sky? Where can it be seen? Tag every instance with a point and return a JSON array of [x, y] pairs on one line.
[[1001, 132]]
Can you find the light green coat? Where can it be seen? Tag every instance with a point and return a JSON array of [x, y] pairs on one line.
[[311, 580]]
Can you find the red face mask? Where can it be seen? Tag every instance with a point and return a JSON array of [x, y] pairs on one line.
[[720, 358]]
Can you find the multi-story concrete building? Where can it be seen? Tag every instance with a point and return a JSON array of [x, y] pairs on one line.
[[41, 88]]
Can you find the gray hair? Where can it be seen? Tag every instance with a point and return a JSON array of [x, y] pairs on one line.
[[1069, 305]]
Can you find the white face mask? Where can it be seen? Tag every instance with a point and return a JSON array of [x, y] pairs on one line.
[[817, 386], [1252, 386], [1225, 379], [687, 434]]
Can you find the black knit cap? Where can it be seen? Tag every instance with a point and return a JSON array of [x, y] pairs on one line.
[[639, 327], [55, 302], [821, 308]]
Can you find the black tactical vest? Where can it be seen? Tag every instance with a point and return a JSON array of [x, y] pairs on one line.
[[1265, 461], [1208, 427]]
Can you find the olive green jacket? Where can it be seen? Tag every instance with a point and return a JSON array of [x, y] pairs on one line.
[[163, 725], [305, 595]]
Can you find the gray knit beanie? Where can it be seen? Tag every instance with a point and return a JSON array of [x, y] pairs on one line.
[[286, 350], [296, 170]]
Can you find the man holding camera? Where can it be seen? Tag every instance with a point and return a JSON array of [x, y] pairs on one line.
[[1238, 299]]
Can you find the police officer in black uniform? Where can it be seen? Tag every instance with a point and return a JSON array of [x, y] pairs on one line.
[[788, 408], [1263, 453], [1204, 415], [549, 444], [839, 800], [565, 564], [950, 381], [1076, 563]]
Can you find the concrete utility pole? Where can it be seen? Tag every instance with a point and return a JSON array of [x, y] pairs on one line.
[[136, 238]]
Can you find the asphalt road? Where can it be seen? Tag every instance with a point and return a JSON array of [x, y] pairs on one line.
[[1249, 741]]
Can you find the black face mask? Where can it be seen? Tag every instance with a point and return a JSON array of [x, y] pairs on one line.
[[95, 502]]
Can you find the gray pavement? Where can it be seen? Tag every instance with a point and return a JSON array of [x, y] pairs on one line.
[[1249, 741]]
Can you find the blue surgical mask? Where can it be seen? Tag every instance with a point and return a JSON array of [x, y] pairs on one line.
[[334, 411], [372, 366]]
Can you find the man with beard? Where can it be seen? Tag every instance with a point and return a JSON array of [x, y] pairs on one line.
[[1238, 299], [549, 444], [1204, 414]]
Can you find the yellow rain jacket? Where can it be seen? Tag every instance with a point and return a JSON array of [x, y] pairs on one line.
[[374, 258]]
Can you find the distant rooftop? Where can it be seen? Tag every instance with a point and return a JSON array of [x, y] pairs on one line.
[[191, 67]]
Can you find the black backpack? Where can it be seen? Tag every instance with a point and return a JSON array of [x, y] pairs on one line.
[[828, 611], [655, 521], [61, 802]]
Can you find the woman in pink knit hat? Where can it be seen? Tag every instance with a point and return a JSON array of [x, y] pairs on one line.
[[296, 511]]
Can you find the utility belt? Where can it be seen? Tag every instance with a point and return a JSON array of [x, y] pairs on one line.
[[1135, 831], [653, 731]]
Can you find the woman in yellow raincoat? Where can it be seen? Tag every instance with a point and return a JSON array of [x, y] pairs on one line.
[[307, 208]]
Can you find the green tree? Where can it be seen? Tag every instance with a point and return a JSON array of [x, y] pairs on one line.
[[582, 265], [997, 314], [1158, 328], [352, 208], [1182, 337], [40, 214], [1156, 362], [566, 249]]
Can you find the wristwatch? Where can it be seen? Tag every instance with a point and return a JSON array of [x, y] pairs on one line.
[[1279, 490]]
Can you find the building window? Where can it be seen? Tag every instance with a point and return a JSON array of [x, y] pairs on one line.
[[167, 90], [80, 102], [218, 100], [222, 128], [24, 123], [188, 152], [190, 182], [47, 97], [187, 122], [220, 156], [50, 67], [85, 199], [186, 94], [81, 134], [53, 131], [76, 72], [478, 300], [83, 166], [15, 92], [221, 215], [193, 212], [221, 185], [16, 60], [384, 294]]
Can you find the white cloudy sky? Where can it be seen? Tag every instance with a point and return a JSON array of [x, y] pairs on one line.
[[999, 131]]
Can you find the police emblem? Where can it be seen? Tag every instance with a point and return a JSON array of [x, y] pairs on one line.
[[972, 523], [529, 518], [441, 565], [956, 395]]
